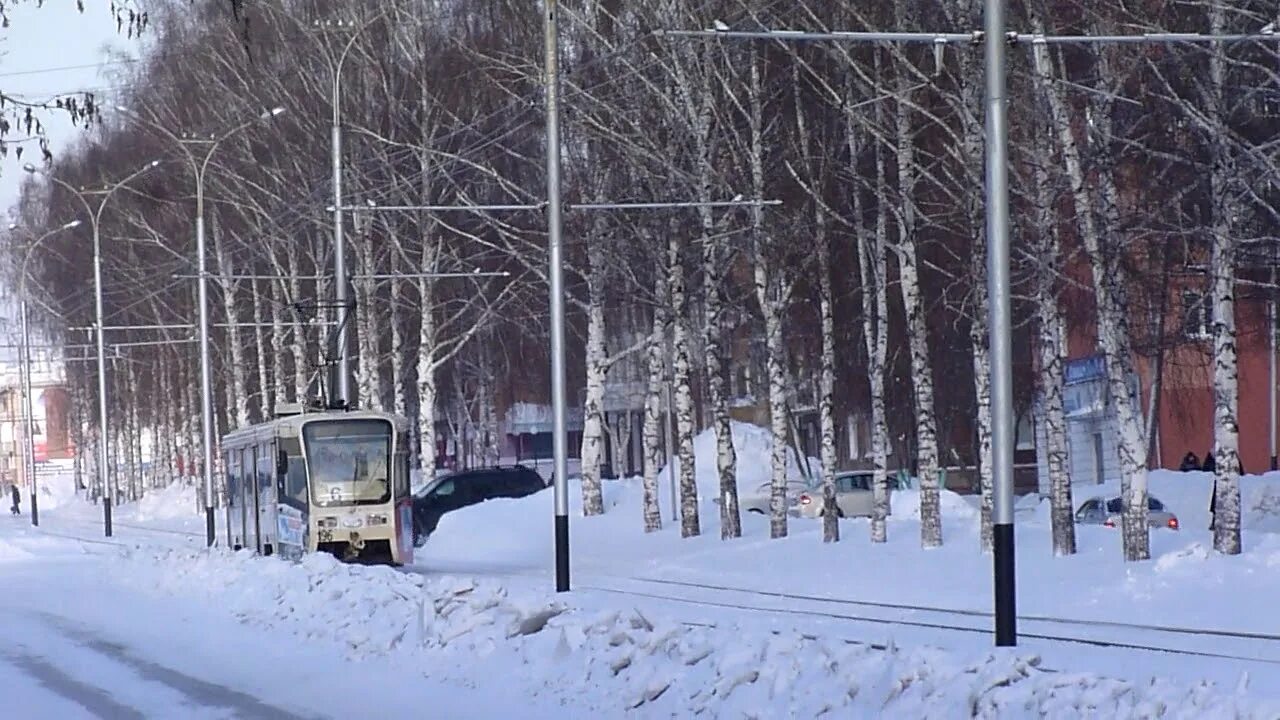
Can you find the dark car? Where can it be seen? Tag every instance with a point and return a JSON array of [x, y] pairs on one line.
[[469, 487]]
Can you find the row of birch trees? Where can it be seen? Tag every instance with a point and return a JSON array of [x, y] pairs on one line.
[[866, 277]]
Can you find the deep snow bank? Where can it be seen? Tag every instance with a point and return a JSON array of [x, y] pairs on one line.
[[477, 632], [754, 448]]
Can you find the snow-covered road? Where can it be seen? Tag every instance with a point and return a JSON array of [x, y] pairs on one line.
[[77, 641]]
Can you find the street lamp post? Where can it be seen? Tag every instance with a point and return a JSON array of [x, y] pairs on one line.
[[95, 217], [29, 453], [198, 168], [342, 384]]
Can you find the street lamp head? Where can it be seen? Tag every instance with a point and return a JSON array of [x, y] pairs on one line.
[[13, 226], [70, 225], [276, 111], [124, 109], [154, 163], [28, 167]]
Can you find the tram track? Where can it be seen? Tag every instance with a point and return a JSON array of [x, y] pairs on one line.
[[1150, 638]]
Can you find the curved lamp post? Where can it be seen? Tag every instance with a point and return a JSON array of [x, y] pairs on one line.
[[199, 166], [95, 217]]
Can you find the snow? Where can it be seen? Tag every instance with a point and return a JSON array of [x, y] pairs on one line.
[[754, 447], [657, 626]]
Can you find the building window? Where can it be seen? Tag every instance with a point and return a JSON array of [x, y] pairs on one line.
[[1197, 315]]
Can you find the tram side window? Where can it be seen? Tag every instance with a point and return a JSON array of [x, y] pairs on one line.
[[293, 481]]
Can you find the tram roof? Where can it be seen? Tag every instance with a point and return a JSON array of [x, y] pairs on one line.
[[272, 428]]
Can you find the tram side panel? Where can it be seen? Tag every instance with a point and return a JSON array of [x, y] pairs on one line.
[[292, 517]]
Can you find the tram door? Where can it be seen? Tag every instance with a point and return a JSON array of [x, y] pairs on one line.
[[233, 497], [244, 521], [264, 498]]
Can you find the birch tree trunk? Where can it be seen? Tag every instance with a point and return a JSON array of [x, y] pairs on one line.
[[918, 332], [427, 374], [1226, 391], [278, 359], [301, 367], [399, 402], [653, 405], [261, 353], [981, 339], [1052, 354], [873, 271], [239, 396], [592, 419], [369, 388], [769, 295], [1112, 332], [826, 403], [681, 371]]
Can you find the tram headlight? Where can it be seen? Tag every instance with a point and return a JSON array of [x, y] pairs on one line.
[[377, 520], [352, 522], [327, 522]]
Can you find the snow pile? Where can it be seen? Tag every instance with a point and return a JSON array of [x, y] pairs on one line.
[[176, 500], [10, 552], [905, 505], [57, 487], [473, 632], [754, 447]]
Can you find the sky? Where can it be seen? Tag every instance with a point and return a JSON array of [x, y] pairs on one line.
[[52, 50], [45, 52]]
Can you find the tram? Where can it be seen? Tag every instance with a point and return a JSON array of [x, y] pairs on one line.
[[311, 480]]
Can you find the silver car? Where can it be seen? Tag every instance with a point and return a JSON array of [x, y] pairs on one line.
[[1107, 512], [757, 501], [853, 495]]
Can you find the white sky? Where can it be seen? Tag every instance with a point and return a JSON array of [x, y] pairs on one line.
[[48, 51], [52, 50]]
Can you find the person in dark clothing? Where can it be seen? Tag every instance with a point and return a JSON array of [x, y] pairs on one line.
[[17, 497], [1190, 463]]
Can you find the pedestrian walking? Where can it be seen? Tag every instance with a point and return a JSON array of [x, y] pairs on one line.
[[17, 499]]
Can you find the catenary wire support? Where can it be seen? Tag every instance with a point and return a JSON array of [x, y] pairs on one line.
[[997, 224]]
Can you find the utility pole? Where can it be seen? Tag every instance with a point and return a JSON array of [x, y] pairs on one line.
[[96, 217], [25, 351], [559, 438], [999, 292], [342, 303], [199, 168]]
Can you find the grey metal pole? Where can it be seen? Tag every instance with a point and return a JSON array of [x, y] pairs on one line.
[[560, 440], [343, 384], [102, 381], [30, 452], [1001, 330], [206, 366]]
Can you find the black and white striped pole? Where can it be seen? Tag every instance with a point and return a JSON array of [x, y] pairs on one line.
[[560, 444], [999, 292]]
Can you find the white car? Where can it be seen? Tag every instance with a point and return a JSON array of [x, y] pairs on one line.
[[1107, 512], [853, 495], [757, 501]]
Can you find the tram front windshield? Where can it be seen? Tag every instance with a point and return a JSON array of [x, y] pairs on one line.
[[349, 461]]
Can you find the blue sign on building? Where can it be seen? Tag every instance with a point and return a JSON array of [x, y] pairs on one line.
[[1085, 369]]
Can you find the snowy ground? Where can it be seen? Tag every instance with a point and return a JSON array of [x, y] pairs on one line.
[[151, 625]]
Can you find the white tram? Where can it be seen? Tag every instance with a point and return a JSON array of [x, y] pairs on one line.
[[330, 480]]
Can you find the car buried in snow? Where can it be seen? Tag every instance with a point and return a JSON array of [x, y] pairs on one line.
[[853, 495], [1108, 511]]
